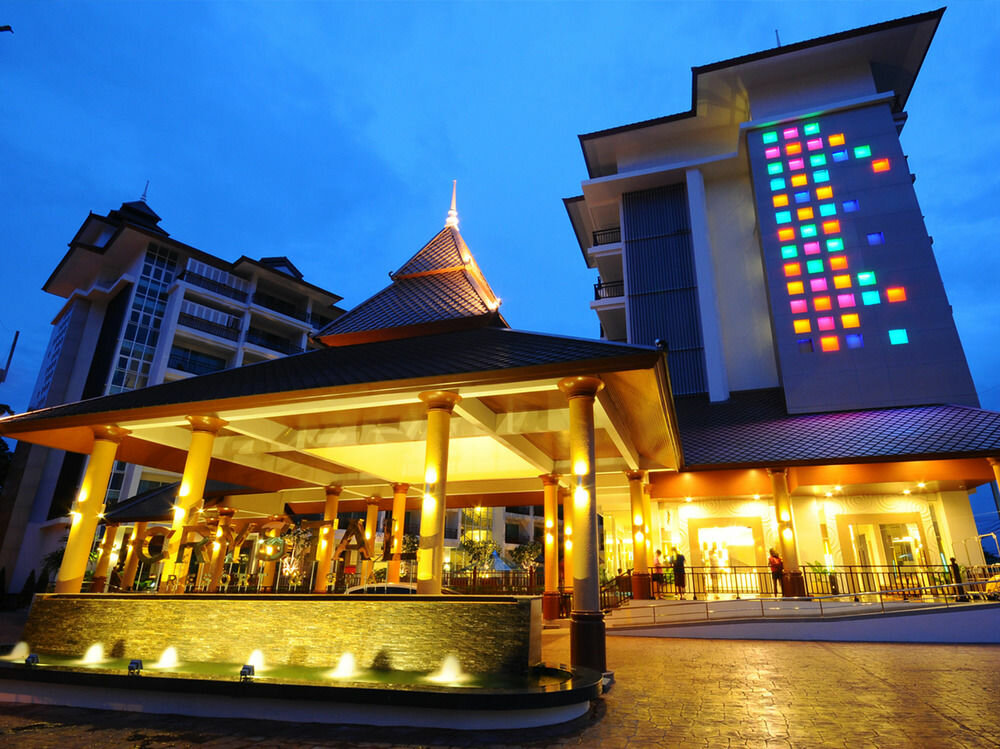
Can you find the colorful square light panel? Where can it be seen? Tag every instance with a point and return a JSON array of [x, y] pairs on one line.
[[772, 153], [802, 326], [854, 340], [817, 284], [862, 152], [845, 300], [794, 164], [822, 304], [796, 287], [790, 132], [821, 175], [775, 167], [837, 155], [833, 140], [786, 235], [804, 214], [811, 128], [825, 323], [817, 159], [831, 227], [850, 320], [824, 193], [828, 209], [799, 180], [802, 197], [798, 306], [793, 269], [834, 245], [880, 165], [876, 237], [842, 281], [783, 217], [789, 251], [869, 298], [895, 294], [866, 278], [778, 183], [814, 266], [811, 248], [898, 336], [829, 343], [838, 262], [850, 206], [770, 137], [808, 230]]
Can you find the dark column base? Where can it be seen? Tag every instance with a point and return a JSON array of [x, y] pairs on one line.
[[550, 605], [586, 640], [97, 584], [641, 590], [793, 585]]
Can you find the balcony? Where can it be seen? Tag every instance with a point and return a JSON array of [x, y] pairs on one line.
[[281, 306], [608, 236], [207, 326], [609, 290], [194, 362], [196, 279], [272, 342]]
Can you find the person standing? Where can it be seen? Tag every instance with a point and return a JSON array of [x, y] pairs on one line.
[[777, 571], [713, 568], [679, 579], [657, 573]]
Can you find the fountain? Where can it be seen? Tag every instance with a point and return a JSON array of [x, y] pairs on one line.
[[19, 652], [449, 673], [94, 654], [256, 660], [168, 658], [346, 668]]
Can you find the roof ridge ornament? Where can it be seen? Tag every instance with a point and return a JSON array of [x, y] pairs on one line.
[[452, 219]]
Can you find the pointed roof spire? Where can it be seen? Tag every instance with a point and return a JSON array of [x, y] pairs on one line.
[[144, 191], [452, 219]]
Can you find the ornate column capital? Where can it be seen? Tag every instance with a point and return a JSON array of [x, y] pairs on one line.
[[581, 386], [400, 487], [109, 433], [333, 490], [777, 472], [440, 400], [204, 423], [635, 475], [550, 479]]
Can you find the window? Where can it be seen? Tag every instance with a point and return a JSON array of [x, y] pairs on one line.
[[876, 237], [850, 206], [862, 152]]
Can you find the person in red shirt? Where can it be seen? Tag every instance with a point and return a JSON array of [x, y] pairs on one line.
[[777, 570]]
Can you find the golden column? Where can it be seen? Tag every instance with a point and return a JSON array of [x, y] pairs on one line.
[[430, 555], [793, 584], [107, 548], [587, 645], [550, 494], [371, 525], [638, 504], [88, 506], [650, 518], [327, 539], [566, 500], [132, 555], [220, 547], [398, 523], [190, 495]]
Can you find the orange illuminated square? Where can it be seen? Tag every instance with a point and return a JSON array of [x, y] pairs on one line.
[[799, 179], [793, 148], [793, 269], [838, 262], [880, 165], [850, 320], [802, 326], [786, 234], [795, 287], [805, 213], [821, 303], [831, 227], [780, 201], [896, 294], [842, 282], [824, 193], [836, 140], [829, 343]]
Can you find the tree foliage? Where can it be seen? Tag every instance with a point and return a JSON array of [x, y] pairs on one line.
[[478, 553], [525, 555]]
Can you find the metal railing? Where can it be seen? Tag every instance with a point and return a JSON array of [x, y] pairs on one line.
[[607, 236], [196, 279], [207, 326], [282, 306], [272, 342], [187, 361], [609, 289]]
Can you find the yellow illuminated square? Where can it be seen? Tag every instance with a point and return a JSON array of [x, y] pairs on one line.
[[799, 179], [780, 201], [802, 326], [842, 282], [850, 320], [836, 139], [796, 287], [824, 193], [805, 213]]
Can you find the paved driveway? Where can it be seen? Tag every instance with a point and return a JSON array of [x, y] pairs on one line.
[[670, 693]]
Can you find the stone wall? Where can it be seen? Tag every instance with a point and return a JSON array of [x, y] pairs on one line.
[[487, 633]]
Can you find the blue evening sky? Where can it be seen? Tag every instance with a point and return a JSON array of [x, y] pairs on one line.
[[330, 132]]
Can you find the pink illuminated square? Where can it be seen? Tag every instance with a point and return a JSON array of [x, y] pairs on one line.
[[817, 284], [772, 153], [825, 323], [796, 164], [846, 300], [814, 143], [790, 132], [798, 306], [811, 248]]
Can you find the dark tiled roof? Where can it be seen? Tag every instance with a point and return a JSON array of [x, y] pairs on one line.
[[461, 352], [753, 429], [438, 296], [157, 503]]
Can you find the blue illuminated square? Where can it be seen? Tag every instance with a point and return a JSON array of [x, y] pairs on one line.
[[778, 183], [821, 176], [811, 128], [828, 209], [783, 217], [869, 298], [898, 336], [770, 137], [850, 206], [876, 237], [839, 155], [802, 197], [854, 340]]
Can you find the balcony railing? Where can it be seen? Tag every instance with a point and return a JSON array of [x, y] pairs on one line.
[[609, 289], [192, 362], [207, 326], [196, 279], [607, 236], [279, 305], [272, 342]]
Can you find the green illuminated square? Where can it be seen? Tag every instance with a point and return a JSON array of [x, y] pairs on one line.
[[827, 209], [866, 278], [808, 230], [870, 297], [821, 176], [778, 183], [775, 167], [898, 336], [811, 128], [789, 251], [814, 266], [783, 217], [817, 159], [834, 245], [862, 152], [770, 137]]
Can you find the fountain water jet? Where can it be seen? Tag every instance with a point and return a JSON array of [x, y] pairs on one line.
[[256, 660], [345, 669], [449, 673], [168, 658], [94, 654]]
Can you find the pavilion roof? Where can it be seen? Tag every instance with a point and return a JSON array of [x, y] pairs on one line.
[[753, 428]]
